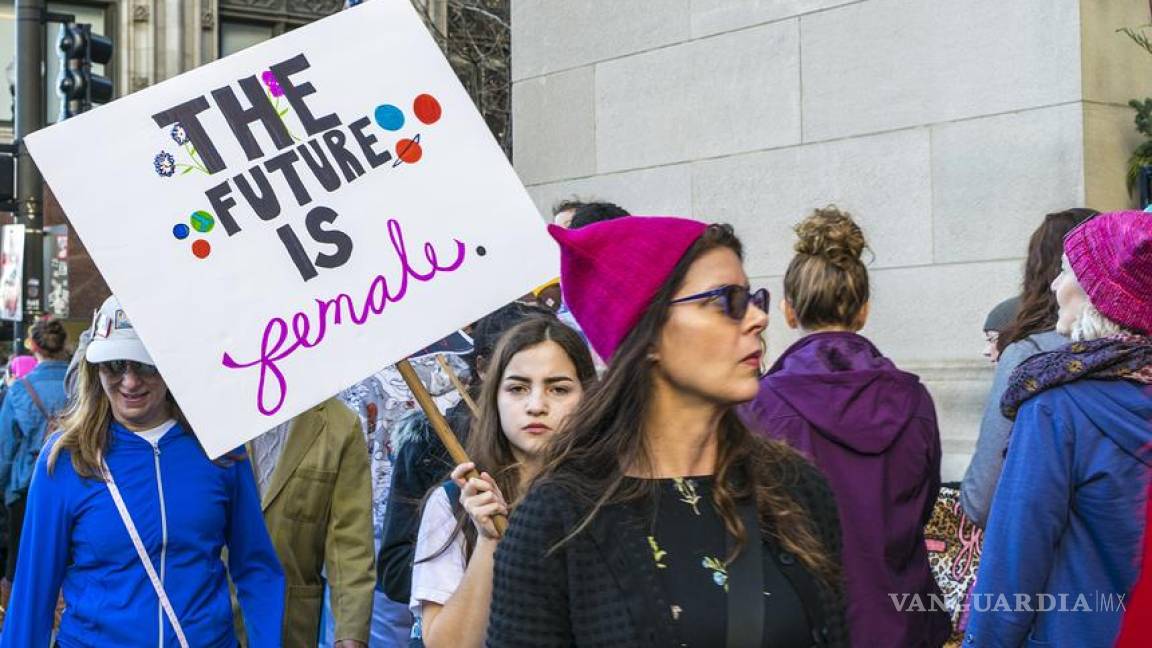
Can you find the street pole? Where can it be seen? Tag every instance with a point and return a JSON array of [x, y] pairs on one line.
[[29, 183]]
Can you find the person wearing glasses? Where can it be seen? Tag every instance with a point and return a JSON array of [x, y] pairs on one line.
[[870, 427], [657, 518], [128, 516]]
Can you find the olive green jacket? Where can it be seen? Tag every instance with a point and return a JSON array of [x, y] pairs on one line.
[[318, 508]]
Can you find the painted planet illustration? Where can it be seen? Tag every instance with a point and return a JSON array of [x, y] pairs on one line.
[[389, 117], [408, 150], [201, 249], [202, 221], [180, 231], [427, 109]]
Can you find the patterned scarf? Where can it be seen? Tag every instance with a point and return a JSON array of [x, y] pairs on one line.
[[1119, 357]]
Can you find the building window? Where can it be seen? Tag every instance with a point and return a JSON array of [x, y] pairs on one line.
[[244, 23], [237, 35]]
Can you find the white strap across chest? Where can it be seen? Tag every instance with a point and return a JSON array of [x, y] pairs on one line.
[[143, 554]]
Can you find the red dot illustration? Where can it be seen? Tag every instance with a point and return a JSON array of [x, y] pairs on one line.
[[201, 249], [427, 109], [409, 151]]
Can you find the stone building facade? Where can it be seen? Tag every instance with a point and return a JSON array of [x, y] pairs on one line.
[[153, 40], [947, 128]]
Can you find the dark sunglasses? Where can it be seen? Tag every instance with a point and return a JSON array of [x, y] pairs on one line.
[[733, 299], [118, 368]]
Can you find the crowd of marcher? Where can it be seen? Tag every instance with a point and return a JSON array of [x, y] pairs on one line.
[[638, 476]]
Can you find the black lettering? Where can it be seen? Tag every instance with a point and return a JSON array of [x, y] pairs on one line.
[[266, 205], [185, 115], [221, 200], [366, 140], [320, 166], [284, 163], [318, 217], [240, 119], [295, 95], [349, 165], [296, 252]]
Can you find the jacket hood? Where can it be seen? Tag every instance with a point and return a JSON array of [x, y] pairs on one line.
[[1122, 410], [846, 390]]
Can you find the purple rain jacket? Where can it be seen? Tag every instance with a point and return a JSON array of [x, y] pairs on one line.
[[871, 429]]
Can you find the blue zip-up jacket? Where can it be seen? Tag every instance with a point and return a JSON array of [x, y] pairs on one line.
[[1067, 519], [22, 426], [186, 509]]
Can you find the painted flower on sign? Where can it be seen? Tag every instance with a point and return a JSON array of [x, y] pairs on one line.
[[179, 135], [165, 164], [273, 85]]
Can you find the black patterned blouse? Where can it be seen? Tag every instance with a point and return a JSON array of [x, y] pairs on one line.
[[689, 546]]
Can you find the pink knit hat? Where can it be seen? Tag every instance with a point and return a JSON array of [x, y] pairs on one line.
[[21, 366], [1111, 255], [610, 271]]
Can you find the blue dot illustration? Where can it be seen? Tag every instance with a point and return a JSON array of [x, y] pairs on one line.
[[181, 231], [389, 117]]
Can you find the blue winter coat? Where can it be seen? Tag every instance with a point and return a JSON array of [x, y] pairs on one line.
[[22, 425], [187, 509], [1067, 519]]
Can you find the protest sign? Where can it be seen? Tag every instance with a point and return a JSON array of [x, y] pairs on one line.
[[283, 222], [12, 273]]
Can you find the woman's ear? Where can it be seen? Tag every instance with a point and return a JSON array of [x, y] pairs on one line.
[[789, 315], [862, 317]]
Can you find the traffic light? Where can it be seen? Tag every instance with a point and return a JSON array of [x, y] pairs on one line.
[[79, 87]]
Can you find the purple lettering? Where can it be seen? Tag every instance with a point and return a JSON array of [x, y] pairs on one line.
[[269, 399]]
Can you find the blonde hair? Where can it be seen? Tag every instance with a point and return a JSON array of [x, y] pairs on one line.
[[826, 283], [85, 421]]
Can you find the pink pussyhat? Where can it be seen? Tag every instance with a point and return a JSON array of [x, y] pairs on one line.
[[21, 366], [1111, 256], [610, 271]]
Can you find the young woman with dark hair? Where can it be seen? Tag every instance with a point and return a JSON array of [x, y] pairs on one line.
[[1031, 332], [658, 518], [536, 377], [870, 427]]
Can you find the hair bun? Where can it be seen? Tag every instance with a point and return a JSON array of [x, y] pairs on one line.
[[832, 234]]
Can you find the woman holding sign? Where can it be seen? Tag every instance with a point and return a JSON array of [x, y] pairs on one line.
[[129, 516], [537, 377], [658, 519]]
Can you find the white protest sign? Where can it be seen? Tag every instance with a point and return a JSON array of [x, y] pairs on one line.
[[284, 222]]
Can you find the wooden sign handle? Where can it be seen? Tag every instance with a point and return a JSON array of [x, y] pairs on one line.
[[447, 369], [440, 427]]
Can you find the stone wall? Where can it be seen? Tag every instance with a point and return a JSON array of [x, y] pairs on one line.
[[947, 128]]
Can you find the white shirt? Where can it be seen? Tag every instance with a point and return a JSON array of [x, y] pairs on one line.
[[436, 580], [154, 435]]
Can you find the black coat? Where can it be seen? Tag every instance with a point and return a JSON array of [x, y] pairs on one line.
[[602, 587]]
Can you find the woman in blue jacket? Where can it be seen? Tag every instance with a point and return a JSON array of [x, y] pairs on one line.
[[1063, 543], [30, 402], [124, 434]]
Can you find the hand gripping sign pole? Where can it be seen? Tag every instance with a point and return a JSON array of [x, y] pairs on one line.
[[440, 426]]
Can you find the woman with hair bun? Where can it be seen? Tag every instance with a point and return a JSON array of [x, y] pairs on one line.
[[870, 427], [29, 405]]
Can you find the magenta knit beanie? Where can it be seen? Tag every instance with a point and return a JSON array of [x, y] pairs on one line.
[[21, 366], [610, 271], [1111, 255]]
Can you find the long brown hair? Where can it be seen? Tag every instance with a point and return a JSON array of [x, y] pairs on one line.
[[588, 457], [487, 446], [826, 283], [1045, 249]]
